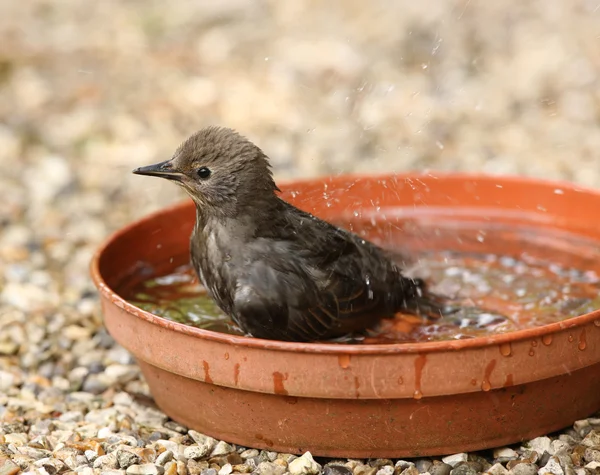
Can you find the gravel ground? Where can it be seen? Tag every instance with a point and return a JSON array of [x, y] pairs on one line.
[[90, 90]]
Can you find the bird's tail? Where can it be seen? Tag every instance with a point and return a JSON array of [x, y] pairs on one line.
[[428, 304]]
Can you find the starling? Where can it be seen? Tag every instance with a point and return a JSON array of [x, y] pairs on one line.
[[280, 273]]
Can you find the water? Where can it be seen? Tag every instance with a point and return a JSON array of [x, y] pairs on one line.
[[552, 277]]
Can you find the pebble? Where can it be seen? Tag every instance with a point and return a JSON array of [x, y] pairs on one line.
[[165, 457], [195, 452], [552, 467], [440, 468], [335, 469], [125, 458], [540, 445], [269, 468], [249, 453], [454, 460], [304, 465], [222, 448], [524, 469], [592, 439], [504, 454], [385, 470], [145, 469], [497, 469]]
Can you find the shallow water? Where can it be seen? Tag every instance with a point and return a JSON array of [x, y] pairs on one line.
[[496, 293]]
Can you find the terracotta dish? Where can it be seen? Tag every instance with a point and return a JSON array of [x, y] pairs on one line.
[[394, 400]]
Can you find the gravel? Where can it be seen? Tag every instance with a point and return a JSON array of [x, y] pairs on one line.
[[91, 90]]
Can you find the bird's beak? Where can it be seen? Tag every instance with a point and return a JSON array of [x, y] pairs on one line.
[[163, 169]]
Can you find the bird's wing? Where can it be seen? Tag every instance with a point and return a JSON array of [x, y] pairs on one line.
[[271, 299]]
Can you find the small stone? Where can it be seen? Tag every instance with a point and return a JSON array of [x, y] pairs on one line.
[[524, 469], [121, 373], [51, 465], [540, 444], [242, 468], [127, 458], [558, 446], [497, 469], [269, 468], [171, 468], [208, 471], [463, 469], [163, 458], [91, 455], [226, 469], [593, 465], [454, 460], [222, 448], [112, 472], [196, 452], [145, 469], [592, 454], [423, 465], [592, 439], [552, 467], [106, 462], [94, 384], [440, 468], [249, 453], [505, 454], [582, 427], [16, 438], [335, 469], [304, 465], [8, 467], [195, 467], [35, 454], [385, 470]]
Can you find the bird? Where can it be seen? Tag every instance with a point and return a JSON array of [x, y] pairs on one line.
[[280, 273]]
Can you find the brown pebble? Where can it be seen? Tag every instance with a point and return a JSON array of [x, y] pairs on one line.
[[241, 468], [8, 467], [194, 467], [181, 468], [281, 462], [171, 468]]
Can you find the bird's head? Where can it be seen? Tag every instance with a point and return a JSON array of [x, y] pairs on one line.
[[220, 170]]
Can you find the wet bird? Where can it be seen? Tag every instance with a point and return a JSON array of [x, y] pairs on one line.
[[280, 273]]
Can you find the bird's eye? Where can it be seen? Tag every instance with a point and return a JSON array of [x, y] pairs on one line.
[[203, 172]]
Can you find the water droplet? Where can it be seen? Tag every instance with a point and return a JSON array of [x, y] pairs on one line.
[[505, 349], [417, 394], [486, 386], [570, 338], [558, 191], [424, 66], [547, 340], [439, 144], [582, 341], [597, 323], [534, 343], [344, 361], [531, 352], [499, 186], [400, 380], [356, 214]]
